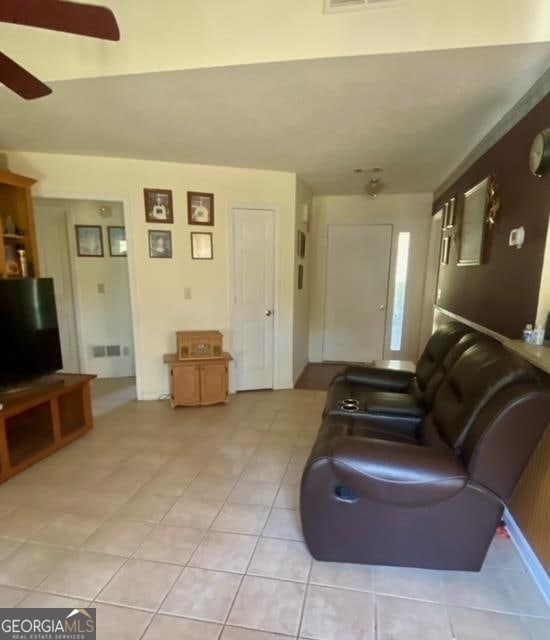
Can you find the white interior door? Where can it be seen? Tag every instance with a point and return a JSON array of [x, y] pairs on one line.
[[357, 275], [53, 251], [253, 251]]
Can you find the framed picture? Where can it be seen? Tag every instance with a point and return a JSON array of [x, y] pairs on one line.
[[201, 246], [158, 205], [300, 276], [117, 242], [445, 215], [160, 244], [451, 213], [301, 243], [89, 241], [472, 231], [200, 208], [445, 249]]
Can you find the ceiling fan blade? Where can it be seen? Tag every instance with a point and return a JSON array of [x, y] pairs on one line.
[[20, 80], [62, 15]]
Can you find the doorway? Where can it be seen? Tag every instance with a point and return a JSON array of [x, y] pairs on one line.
[[91, 282], [356, 294], [253, 297]]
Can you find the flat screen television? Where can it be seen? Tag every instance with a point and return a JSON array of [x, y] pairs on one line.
[[29, 335]]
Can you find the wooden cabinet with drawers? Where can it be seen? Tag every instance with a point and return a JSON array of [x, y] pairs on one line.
[[199, 381]]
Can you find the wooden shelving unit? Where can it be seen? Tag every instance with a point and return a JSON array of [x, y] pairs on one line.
[[36, 422], [16, 202]]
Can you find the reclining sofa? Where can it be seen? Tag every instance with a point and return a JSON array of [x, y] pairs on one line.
[[415, 469]]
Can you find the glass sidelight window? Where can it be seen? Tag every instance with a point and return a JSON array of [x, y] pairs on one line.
[[400, 287]]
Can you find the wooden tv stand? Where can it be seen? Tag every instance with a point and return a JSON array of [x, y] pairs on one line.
[[41, 419]]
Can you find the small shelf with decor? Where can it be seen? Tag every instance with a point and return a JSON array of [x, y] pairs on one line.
[[18, 249]]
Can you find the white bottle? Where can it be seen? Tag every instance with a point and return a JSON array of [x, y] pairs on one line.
[[538, 336], [528, 334]]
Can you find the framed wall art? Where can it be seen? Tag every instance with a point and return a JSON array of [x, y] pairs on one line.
[[445, 249], [472, 229], [160, 244], [301, 244], [300, 276], [201, 246], [89, 241], [117, 242], [158, 206], [200, 208]]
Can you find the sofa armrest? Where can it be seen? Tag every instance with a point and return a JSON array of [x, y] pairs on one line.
[[384, 379], [396, 473]]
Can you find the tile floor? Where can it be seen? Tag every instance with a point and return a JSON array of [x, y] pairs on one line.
[[184, 524]]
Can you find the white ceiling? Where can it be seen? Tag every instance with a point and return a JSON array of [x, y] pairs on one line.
[[417, 115]]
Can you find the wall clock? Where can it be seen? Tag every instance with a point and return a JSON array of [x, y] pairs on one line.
[[539, 160]]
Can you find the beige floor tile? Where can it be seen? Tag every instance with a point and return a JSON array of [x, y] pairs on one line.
[[8, 545], [170, 628], [484, 590], [140, 584], [210, 487], [539, 628], [420, 584], [118, 537], [288, 497], [341, 575], [412, 619], [241, 518], [203, 594], [23, 522], [525, 593], [70, 529], [146, 507], [268, 605], [284, 559], [30, 563], [39, 600], [83, 574], [99, 503], [167, 543], [271, 471], [259, 493], [55, 497], [120, 623], [472, 624], [284, 523], [335, 614], [503, 554], [224, 551], [10, 596], [237, 633], [194, 512]]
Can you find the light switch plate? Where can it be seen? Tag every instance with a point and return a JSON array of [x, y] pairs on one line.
[[187, 294], [101, 288]]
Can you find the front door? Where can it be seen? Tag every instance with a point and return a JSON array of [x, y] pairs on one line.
[[253, 287], [358, 267]]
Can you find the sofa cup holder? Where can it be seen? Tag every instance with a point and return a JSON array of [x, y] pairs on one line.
[[345, 494], [350, 405]]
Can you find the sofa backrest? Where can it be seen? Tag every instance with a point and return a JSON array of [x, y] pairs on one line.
[[504, 435], [438, 346], [448, 363], [477, 376]]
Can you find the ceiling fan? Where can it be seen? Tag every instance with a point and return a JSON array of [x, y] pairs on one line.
[[57, 15]]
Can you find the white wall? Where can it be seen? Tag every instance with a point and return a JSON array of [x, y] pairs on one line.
[[157, 285], [304, 198], [169, 35], [544, 293], [406, 212], [103, 318]]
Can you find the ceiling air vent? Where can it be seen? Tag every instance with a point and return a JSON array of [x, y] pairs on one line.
[[334, 6]]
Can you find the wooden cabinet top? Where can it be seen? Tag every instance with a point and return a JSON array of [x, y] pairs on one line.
[[172, 359], [15, 180]]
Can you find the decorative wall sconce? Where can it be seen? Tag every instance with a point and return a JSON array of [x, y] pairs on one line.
[[493, 201]]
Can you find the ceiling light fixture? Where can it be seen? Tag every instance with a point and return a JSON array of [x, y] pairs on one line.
[[374, 187]]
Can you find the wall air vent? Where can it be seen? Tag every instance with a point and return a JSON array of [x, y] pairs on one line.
[[335, 6]]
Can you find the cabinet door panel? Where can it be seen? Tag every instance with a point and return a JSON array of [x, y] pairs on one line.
[[186, 385], [213, 383]]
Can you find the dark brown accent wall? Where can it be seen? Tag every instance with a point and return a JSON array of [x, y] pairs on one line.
[[502, 293]]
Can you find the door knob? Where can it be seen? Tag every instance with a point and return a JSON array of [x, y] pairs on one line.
[[382, 307], [268, 312]]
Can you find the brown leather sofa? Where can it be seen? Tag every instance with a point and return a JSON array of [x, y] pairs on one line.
[[366, 391], [428, 493]]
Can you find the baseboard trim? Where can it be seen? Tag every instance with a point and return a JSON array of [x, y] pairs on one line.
[[534, 566]]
